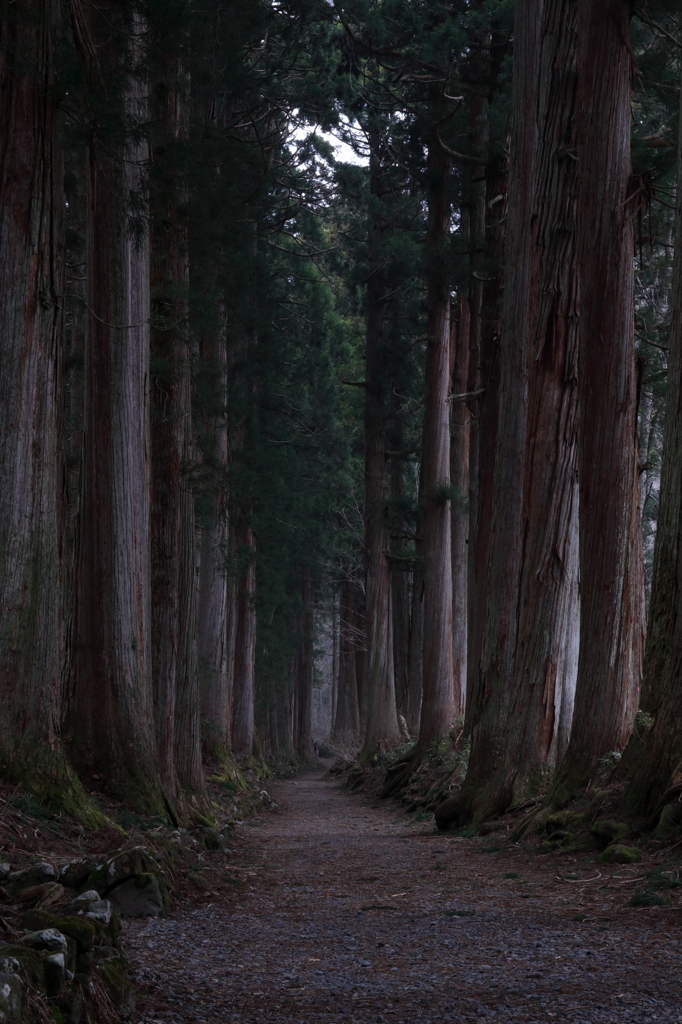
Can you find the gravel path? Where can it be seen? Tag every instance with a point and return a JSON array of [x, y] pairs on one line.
[[333, 910]]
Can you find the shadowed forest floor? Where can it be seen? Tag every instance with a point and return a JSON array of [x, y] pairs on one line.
[[334, 909]]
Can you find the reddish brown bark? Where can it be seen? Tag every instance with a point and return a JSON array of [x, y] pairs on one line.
[[532, 585], [245, 650], [111, 716], [381, 726], [438, 705], [653, 760], [611, 632], [31, 285]]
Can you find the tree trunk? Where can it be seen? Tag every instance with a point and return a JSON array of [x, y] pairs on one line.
[[245, 650], [415, 681], [305, 669], [347, 717], [400, 578], [611, 633], [531, 583], [382, 720], [174, 658], [439, 705], [487, 220], [459, 478], [213, 633], [653, 762], [31, 285], [111, 723]]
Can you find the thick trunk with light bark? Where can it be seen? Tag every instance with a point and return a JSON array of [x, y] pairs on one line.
[[174, 656], [439, 704], [31, 286], [611, 633], [653, 760], [381, 726], [532, 583], [111, 725]]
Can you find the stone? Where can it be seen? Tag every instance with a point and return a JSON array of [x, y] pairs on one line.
[[44, 872], [99, 910], [55, 973], [73, 926], [616, 854], [80, 904], [138, 897], [125, 864], [48, 938], [75, 872], [44, 895], [71, 1005], [9, 965], [10, 999]]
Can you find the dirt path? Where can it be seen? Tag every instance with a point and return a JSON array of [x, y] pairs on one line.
[[353, 913]]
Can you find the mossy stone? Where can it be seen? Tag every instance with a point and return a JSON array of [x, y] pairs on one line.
[[607, 831], [31, 963], [83, 932], [120, 989], [617, 854]]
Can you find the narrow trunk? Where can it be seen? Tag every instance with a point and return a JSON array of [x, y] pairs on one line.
[[213, 632], [174, 657], [611, 633], [488, 218], [111, 722], [653, 761], [460, 418], [304, 670], [531, 582], [382, 721], [439, 706], [245, 650], [346, 728], [400, 578], [31, 284]]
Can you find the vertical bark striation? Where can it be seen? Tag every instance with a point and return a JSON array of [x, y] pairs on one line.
[[532, 584], [611, 633], [31, 283], [459, 480], [111, 720], [382, 721], [654, 762], [174, 655], [245, 649], [439, 702]]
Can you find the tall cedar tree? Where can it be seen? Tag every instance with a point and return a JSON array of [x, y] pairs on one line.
[[32, 637], [532, 610], [611, 624]]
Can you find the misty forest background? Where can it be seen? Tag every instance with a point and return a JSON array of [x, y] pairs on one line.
[[403, 417]]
